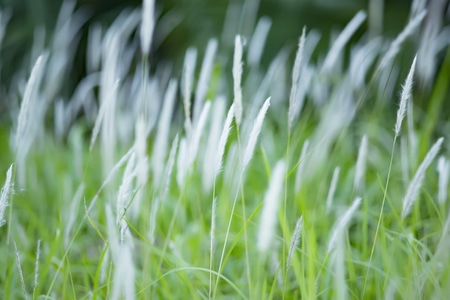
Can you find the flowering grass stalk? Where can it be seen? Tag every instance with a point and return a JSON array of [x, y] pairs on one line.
[[269, 213], [5, 194], [416, 182]]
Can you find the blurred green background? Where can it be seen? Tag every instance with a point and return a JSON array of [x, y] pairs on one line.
[[183, 23], [193, 22]]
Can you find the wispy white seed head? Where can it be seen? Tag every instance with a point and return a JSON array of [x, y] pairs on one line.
[[223, 140], [210, 148], [5, 194], [36, 265], [295, 78], [110, 176], [147, 25], [182, 162], [443, 168], [237, 76], [197, 134], [416, 183], [342, 223], [360, 173], [405, 98], [342, 40], [258, 40], [105, 108], [394, 48], [162, 137], [188, 79], [295, 241], [205, 75], [19, 267], [142, 165], [248, 154], [30, 116], [266, 231], [332, 189]]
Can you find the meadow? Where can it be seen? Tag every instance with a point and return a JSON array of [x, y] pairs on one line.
[[323, 175]]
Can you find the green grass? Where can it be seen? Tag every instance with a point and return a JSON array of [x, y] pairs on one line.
[[93, 248]]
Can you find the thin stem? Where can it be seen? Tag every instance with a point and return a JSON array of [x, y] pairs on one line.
[[380, 215]]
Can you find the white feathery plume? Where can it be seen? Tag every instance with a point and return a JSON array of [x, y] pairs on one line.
[[109, 87], [417, 6], [212, 143], [237, 76], [6, 192], [99, 120], [188, 78], [443, 168], [142, 166], [332, 190], [301, 166], [36, 265], [110, 175], [248, 154], [295, 241], [269, 213], [342, 224], [122, 259], [223, 140], [182, 162], [147, 25], [361, 60], [197, 134], [295, 78], [338, 261], [205, 74], [28, 117], [125, 273], [93, 56], [258, 40], [19, 267], [360, 173], [405, 98], [342, 39], [161, 141], [394, 48], [416, 182], [169, 167], [125, 193]]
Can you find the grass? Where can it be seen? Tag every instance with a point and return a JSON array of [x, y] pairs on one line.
[[306, 187]]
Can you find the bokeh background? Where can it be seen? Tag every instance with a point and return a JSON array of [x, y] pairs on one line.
[[183, 23]]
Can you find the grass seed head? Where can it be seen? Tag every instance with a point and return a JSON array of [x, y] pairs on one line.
[[416, 182], [5, 194], [147, 26], [266, 231], [237, 77], [405, 98]]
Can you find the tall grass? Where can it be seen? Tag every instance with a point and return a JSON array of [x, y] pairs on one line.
[[313, 201]]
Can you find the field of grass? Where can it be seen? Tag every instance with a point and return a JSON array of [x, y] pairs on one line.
[[317, 177]]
